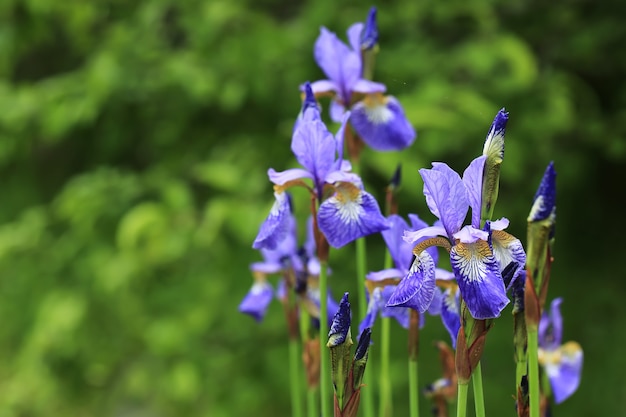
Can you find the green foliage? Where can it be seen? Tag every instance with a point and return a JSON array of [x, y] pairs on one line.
[[134, 142]]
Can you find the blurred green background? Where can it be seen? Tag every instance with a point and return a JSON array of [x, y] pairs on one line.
[[134, 142]]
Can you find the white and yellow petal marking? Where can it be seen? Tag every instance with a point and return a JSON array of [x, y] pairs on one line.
[[469, 260], [348, 200], [376, 110], [507, 248]]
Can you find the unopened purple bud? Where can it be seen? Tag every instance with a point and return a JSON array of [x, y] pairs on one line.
[[363, 345], [340, 327], [369, 36], [544, 203]]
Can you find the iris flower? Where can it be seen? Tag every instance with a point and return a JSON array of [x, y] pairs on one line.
[[378, 119], [562, 363], [477, 256], [400, 252], [345, 213]]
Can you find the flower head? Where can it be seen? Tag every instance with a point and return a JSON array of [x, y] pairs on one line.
[[477, 256]]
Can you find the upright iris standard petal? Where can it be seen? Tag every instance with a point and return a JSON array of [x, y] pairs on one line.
[[544, 203], [257, 300], [381, 123], [276, 226], [473, 180], [479, 279], [417, 289], [446, 196], [315, 149], [349, 214], [340, 64]]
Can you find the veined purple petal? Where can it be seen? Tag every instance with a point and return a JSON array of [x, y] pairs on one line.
[[401, 252], [364, 86], [435, 306], [401, 314], [469, 234], [473, 180], [565, 375], [479, 279], [385, 274], [451, 313], [354, 36], [339, 63], [432, 231], [544, 203], [551, 326], [281, 178], [315, 148], [417, 289], [276, 226], [381, 123], [348, 215], [323, 86], [446, 196], [257, 300], [506, 249], [336, 111]]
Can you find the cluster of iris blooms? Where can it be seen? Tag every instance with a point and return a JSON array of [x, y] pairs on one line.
[[488, 268]]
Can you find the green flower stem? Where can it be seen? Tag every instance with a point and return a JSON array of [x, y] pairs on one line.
[[461, 403], [311, 402], [295, 378], [367, 401], [533, 372], [386, 403], [520, 371], [325, 382], [385, 408], [414, 406], [477, 386]]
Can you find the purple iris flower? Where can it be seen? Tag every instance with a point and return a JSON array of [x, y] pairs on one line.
[[401, 253], [562, 363], [350, 212], [477, 256], [379, 120]]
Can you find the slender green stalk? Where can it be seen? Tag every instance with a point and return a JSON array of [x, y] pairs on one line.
[[295, 378], [384, 384], [385, 405], [367, 400], [477, 386], [311, 403], [520, 371], [533, 372], [461, 402], [414, 406], [325, 382]]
